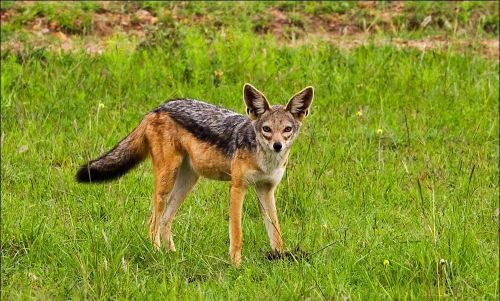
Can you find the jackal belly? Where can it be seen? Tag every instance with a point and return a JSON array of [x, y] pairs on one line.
[[206, 159]]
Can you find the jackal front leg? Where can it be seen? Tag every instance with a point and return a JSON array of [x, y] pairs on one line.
[[265, 192], [237, 194]]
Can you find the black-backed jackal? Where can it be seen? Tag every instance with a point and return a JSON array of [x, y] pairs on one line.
[[188, 139]]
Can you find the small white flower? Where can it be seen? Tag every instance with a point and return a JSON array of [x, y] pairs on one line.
[[124, 264]]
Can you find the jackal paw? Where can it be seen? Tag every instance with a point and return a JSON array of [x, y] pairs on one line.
[[235, 257], [156, 242], [168, 243]]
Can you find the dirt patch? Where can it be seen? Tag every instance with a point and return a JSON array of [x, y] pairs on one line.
[[491, 48], [6, 15]]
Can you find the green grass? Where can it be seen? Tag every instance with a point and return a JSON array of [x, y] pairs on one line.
[[424, 189]]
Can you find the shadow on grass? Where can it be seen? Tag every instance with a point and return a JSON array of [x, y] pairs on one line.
[[292, 256]]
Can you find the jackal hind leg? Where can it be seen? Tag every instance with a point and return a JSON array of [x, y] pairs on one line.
[[185, 181], [166, 166]]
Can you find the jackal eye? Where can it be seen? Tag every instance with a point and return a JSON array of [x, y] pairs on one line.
[[288, 129], [266, 129]]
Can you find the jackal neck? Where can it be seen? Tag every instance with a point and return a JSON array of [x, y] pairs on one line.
[[268, 160]]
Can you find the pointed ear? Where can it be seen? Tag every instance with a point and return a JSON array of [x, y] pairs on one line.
[[255, 101], [299, 104]]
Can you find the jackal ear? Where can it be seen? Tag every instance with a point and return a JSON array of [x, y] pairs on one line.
[[299, 104], [255, 101]]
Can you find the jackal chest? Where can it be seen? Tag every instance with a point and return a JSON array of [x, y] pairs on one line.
[[271, 168], [268, 176]]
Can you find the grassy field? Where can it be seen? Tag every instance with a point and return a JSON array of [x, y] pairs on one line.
[[392, 186]]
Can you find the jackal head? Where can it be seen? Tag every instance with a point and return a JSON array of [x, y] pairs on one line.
[[276, 127]]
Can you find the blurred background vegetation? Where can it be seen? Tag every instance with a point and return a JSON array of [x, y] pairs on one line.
[[94, 26]]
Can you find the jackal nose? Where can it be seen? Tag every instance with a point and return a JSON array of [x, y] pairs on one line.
[[277, 146]]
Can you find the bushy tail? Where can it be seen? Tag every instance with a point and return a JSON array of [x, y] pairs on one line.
[[123, 157]]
